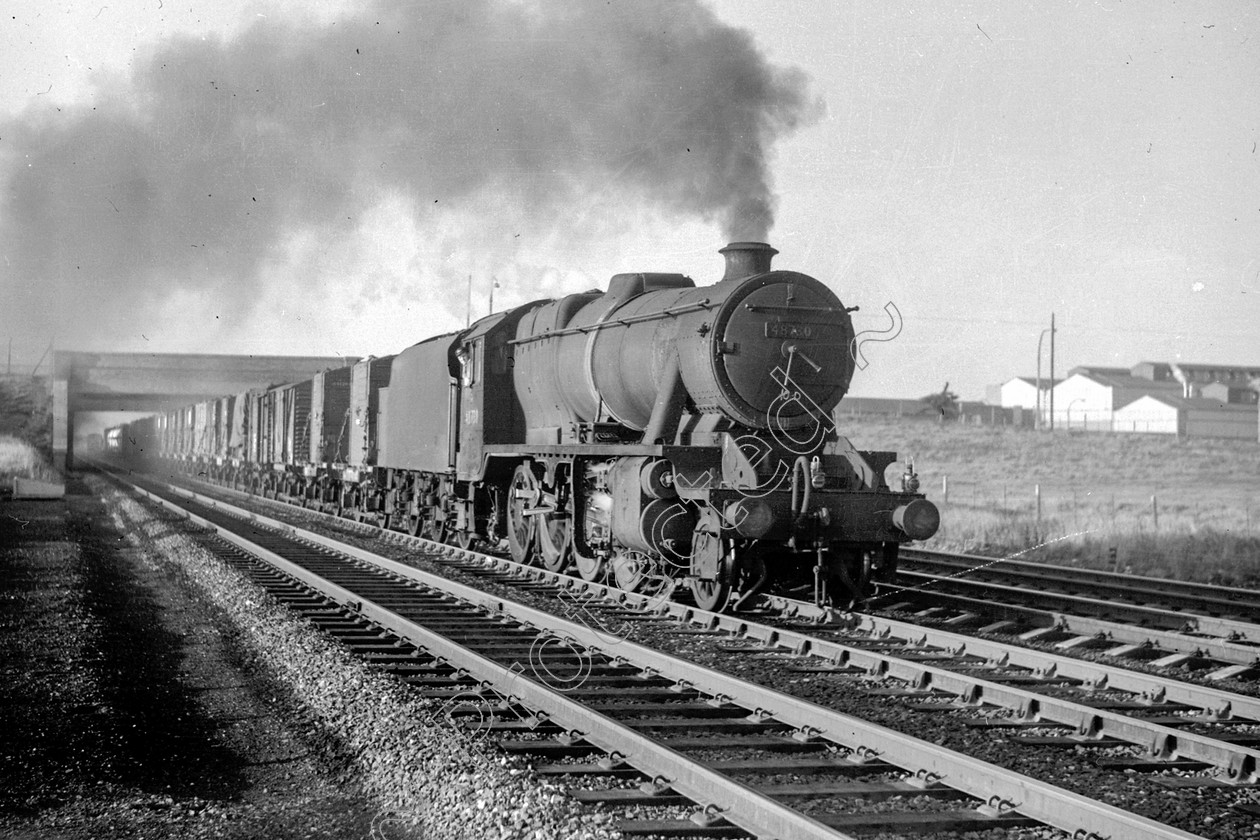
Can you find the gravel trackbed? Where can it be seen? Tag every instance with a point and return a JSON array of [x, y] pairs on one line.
[[147, 690]]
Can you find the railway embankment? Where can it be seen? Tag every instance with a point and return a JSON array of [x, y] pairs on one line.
[[1101, 769], [150, 692], [129, 705]]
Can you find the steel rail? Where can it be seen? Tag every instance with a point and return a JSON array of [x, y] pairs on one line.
[[1002, 789], [1223, 628], [734, 801], [1245, 656], [1230, 599], [1219, 647], [1240, 764]]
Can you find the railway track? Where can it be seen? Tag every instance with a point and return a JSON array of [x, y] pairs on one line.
[[1199, 599], [593, 690], [1099, 705], [1190, 624]]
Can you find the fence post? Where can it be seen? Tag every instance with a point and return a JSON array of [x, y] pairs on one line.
[[945, 487], [1155, 511], [1037, 493]]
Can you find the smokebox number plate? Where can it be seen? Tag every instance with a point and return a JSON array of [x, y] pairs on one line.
[[778, 329]]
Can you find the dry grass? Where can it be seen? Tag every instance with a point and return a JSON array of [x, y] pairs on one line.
[[1096, 495], [19, 459]]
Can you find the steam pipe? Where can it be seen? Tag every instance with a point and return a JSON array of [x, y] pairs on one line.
[[668, 406], [452, 424]]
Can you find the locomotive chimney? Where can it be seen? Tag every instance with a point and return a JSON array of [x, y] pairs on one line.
[[744, 259]]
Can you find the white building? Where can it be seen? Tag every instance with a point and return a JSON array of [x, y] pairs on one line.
[[1193, 400], [1020, 392], [1197, 417], [1151, 414], [1089, 396]]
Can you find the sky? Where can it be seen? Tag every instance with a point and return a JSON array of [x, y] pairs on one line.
[[322, 178]]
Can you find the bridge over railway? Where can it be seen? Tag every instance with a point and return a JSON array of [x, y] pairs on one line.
[[84, 382]]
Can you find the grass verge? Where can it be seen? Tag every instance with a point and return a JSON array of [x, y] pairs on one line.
[[1148, 504]]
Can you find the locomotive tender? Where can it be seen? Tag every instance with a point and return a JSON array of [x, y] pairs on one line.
[[655, 434]]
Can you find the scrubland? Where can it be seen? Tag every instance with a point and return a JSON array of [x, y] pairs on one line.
[[19, 459], [1186, 509]]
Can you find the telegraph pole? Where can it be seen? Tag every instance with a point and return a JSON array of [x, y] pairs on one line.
[[1052, 371], [1038, 421], [41, 358], [468, 305]]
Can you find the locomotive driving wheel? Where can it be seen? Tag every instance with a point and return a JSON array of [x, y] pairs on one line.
[[431, 528], [590, 568], [553, 541], [632, 569], [713, 595], [553, 534], [522, 495], [710, 595]]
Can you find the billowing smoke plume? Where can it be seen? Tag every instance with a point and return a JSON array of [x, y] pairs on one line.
[[193, 174]]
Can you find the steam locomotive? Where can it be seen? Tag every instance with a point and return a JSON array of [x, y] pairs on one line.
[[656, 434]]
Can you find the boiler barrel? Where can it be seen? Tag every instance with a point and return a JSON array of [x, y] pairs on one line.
[[770, 348]]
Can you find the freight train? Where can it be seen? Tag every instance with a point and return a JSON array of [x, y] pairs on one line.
[[659, 433]]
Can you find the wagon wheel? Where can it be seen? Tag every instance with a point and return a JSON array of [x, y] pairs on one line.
[[522, 495], [415, 525], [554, 547]]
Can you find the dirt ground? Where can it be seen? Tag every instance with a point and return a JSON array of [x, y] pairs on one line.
[[128, 710]]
